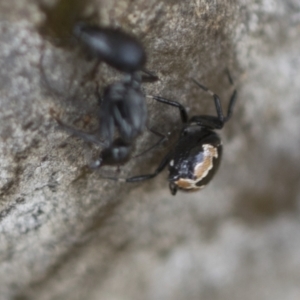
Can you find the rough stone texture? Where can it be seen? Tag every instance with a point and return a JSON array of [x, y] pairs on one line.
[[68, 234]]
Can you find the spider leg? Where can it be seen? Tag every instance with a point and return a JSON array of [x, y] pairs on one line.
[[207, 121], [218, 106], [182, 109], [216, 99], [232, 98], [162, 139], [231, 106]]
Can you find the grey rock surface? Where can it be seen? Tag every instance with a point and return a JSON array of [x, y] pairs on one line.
[[68, 234]]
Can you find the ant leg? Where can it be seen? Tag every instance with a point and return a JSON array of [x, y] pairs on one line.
[[150, 77], [44, 77], [98, 94], [88, 137], [162, 139], [144, 177], [182, 109], [216, 99], [91, 74]]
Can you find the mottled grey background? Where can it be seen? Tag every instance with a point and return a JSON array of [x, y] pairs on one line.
[[68, 234]]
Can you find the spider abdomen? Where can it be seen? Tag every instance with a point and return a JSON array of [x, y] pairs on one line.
[[199, 159]]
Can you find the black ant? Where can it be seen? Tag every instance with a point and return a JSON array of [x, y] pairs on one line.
[[114, 46], [117, 48], [123, 105]]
